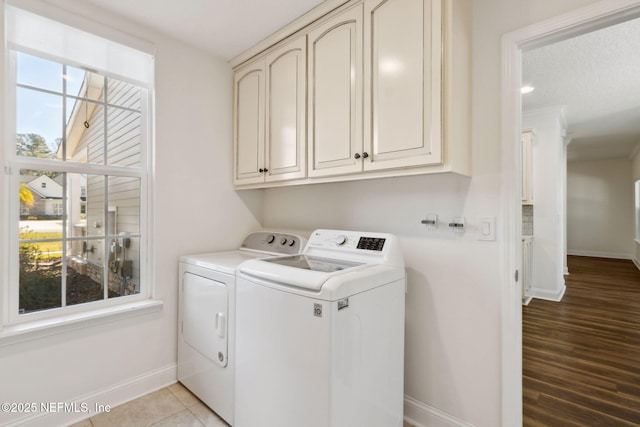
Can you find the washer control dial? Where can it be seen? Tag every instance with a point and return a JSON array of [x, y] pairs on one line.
[[271, 238], [341, 240], [283, 241]]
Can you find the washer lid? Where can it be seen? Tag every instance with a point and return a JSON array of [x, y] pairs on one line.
[[314, 263], [329, 286], [283, 274]]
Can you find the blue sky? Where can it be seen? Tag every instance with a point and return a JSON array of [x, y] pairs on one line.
[[41, 112]]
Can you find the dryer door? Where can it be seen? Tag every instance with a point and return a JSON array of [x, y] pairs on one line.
[[205, 320]]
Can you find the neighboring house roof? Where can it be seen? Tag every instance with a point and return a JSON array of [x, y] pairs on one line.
[[45, 187], [82, 111], [27, 178]]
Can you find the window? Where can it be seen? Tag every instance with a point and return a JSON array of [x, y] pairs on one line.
[[79, 163]]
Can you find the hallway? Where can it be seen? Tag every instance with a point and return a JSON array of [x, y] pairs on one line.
[[581, 357]]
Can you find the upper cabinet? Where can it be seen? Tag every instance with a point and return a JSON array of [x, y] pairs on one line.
[[335, 95], [249, 105], [269, 116], [367, 88], [402, 53]]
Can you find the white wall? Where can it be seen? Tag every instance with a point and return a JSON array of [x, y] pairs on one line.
[[195, 207], [547, 280], [600, 208], [452, 330], [453, 334], [453, 339]]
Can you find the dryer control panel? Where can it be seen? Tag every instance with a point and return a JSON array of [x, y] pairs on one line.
[[272, 242]]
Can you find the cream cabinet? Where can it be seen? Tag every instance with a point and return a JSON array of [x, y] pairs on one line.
[[401, 102], [402, 80], [335, 95], [269, 116], [249, 105], [527, 167], [387, 94], [527, 263]]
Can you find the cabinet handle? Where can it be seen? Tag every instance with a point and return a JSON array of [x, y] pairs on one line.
[[260, 170], [356, 156], [365, 155], [266, 170]]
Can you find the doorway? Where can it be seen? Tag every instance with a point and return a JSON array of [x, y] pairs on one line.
[[599, 15]]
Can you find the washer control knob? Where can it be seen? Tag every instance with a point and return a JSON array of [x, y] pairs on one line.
[[283, 241], [271, 238], [341, 240], [292, 242]]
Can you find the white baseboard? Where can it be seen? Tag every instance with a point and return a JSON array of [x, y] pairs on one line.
[[599, 254], [422, 415], [111, 396], [635, 261], [549, 295], [417, 413]]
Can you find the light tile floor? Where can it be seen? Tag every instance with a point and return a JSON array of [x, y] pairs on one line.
[[169, 407]]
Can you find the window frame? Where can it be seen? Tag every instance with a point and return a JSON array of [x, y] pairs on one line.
[[13, 164]]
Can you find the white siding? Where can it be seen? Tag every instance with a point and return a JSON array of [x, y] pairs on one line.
[[123, 133]]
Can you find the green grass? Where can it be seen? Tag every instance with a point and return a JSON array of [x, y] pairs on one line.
[[32, 235], [46, 249]]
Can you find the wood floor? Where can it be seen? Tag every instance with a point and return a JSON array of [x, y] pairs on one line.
[[581, 356]]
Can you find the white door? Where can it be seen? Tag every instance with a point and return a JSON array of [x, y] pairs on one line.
[[403, 45], [205, 317], [249, 112], [285, 141], [335, 95]]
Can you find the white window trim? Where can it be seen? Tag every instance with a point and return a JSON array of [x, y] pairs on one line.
[[17, 328], [27, 331]]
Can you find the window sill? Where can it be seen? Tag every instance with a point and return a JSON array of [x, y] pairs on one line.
[[41, 328]]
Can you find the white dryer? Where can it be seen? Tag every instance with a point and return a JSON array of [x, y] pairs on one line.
[[206, 326], [320, 336]]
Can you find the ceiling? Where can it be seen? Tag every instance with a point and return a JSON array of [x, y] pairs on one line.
[[596, 77], [224, 28]]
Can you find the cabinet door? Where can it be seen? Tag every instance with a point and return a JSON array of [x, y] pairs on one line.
[[286, 112], [527, 167], [527, 262], [249, 113], [335, 95], [403, 45]]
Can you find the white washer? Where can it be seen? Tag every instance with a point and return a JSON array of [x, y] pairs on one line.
[[206, 326], [320, 336]]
